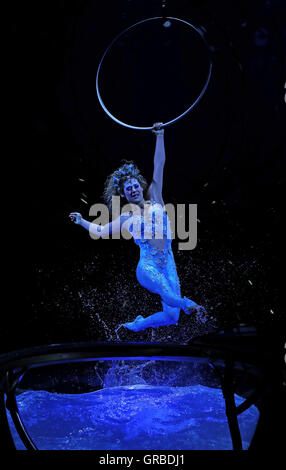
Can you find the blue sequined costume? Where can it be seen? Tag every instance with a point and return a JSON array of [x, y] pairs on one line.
[[156, 270]]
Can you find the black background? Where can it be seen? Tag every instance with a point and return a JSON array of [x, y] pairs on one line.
[[227, 156]]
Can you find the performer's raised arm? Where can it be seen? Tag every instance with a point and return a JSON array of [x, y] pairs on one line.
[[156, 186]]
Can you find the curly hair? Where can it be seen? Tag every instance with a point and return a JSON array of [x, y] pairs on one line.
[[114, 184]]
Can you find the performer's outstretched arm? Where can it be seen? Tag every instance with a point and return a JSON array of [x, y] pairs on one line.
[[156, 186], [100, 230]]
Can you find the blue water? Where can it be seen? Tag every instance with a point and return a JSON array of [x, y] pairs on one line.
[[132, 417]]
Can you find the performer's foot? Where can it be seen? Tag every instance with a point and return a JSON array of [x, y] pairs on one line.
[[199, 310], [190, 306], [134, 325]]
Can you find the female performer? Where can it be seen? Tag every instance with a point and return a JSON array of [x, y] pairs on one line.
[[150, 228]]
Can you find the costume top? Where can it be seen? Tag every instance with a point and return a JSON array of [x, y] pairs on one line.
[[153, 225], [152, 232]]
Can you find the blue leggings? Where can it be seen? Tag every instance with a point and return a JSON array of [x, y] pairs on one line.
[[163, 281], [156, 271]]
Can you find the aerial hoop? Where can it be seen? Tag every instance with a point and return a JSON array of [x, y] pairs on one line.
[[187, 110]]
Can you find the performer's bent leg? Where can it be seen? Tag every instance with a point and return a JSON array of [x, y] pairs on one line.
[[168, 316], [172, 302], [155, 320], [157, 283], [173, 313]]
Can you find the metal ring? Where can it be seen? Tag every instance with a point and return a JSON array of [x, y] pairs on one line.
[[181, 115]]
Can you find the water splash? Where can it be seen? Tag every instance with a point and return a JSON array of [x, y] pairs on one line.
[[82, 300], [109, 334]]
